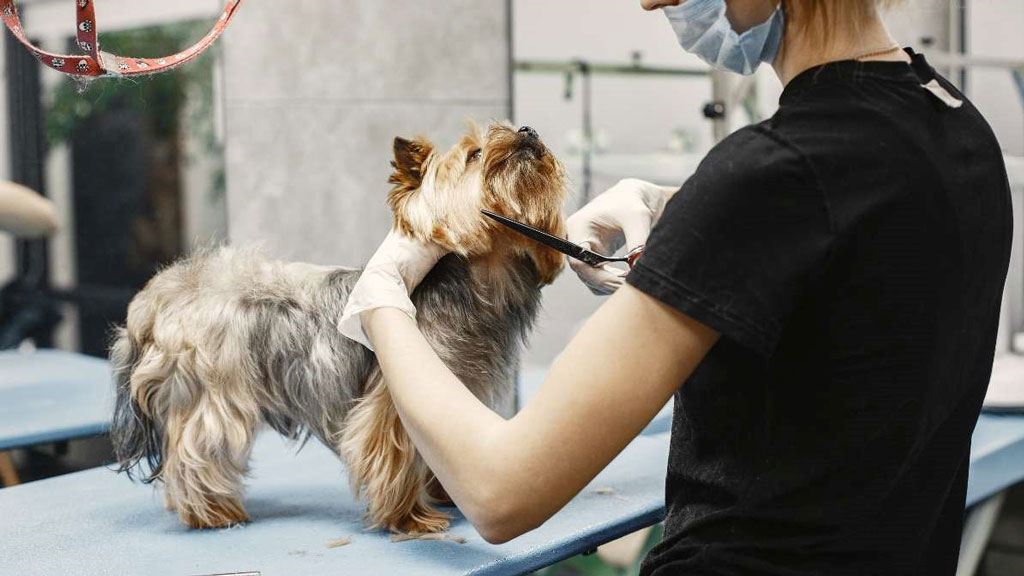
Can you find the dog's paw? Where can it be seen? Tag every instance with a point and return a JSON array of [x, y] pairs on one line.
[[215, 515], [421, 521]]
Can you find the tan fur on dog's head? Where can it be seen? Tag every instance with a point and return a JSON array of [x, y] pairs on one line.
[[438, 196]]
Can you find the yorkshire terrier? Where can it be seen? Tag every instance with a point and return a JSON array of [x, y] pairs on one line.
[[220, 342]]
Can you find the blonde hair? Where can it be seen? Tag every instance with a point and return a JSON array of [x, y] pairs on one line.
[[820, 18]]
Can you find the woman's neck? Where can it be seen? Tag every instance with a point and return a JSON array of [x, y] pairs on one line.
[[804, 51]]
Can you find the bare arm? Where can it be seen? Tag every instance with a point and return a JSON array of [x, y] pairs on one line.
[[24, 212], [508, 477]]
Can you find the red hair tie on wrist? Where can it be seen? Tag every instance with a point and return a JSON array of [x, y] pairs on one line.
[[96, 63]]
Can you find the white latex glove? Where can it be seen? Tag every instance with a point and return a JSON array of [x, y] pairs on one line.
[[394, 271], [624, 214]]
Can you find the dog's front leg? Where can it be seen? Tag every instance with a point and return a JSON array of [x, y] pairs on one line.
[[384, 466]]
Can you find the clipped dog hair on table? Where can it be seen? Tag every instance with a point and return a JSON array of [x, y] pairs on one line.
[[225, 340]]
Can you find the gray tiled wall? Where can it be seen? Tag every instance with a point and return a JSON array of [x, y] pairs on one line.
[[311, 111]]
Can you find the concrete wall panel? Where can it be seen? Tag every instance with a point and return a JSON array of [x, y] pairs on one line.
[[312, 111], [309, 182]]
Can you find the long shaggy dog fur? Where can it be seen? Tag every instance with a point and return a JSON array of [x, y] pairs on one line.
[[226, 340]]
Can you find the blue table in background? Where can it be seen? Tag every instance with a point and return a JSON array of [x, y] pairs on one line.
[[997, 456], [50, 396]]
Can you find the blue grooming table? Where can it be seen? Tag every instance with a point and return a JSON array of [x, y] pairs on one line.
[[49, 396], [94, 522]]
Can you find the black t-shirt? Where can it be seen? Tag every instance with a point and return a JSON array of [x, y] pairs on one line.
[[851, 250]]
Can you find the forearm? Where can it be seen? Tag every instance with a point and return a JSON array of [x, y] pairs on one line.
[[508, 477]]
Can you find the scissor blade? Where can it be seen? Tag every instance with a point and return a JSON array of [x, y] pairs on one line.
[[562, 245]]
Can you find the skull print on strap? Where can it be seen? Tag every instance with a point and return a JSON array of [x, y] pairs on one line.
[[97, 63]]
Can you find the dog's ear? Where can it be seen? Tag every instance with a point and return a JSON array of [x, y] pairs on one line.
[[410, 155], [410, 159]]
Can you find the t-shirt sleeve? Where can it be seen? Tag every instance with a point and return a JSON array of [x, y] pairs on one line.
[[741, 241]]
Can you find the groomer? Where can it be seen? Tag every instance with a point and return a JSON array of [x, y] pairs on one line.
[[821, 297]]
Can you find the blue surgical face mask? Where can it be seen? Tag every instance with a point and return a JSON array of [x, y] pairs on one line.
[[703, 29]]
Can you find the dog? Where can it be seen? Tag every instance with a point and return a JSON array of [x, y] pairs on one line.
[[220, 343]]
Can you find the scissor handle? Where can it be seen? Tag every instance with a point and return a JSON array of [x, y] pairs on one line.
[[633, 255], [595, 259]]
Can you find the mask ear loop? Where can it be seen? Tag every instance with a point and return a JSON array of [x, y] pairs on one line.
[[96, 63]]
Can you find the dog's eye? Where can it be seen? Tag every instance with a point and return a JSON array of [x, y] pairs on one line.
[[474, 156]]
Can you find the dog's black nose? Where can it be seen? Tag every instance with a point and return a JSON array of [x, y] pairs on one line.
[[529, 132]]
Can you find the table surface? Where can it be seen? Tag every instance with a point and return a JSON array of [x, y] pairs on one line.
[[49, 395], [96, 522]]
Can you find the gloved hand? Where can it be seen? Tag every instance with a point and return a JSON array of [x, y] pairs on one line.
[[394, 271], [624, 214]]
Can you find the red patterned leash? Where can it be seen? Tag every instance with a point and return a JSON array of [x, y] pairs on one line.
[[98, 63]]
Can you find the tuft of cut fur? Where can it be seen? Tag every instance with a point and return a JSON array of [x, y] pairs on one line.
[[219, 343]]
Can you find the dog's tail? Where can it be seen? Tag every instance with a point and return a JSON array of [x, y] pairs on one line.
[[136, 436]]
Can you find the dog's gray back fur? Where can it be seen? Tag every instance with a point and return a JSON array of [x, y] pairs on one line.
[[311, 374]]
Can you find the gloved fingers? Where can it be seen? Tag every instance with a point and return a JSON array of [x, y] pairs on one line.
[[636, 230], [377, 287], [395, 269], [610, 242], [599, 233], [604, 243], [622, 215], [412, 258], [602, 280]]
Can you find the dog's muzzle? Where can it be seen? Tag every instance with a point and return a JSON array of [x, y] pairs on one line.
[[528, 132], [529, 141]]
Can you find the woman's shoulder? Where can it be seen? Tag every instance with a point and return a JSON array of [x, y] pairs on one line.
[[757, 154]]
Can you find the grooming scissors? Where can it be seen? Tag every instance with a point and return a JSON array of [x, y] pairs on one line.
[[562, 245]]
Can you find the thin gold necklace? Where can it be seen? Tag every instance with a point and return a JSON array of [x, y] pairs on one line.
[[883, 52]]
